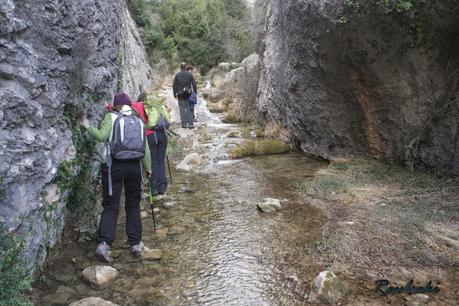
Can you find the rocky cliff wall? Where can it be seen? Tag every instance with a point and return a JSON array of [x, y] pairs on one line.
[[378, 84], [137, 74], [57, 59]]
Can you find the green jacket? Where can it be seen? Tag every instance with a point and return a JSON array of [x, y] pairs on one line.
[[154, 106], [102, 134]]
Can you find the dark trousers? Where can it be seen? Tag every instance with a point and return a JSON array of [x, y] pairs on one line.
[[127, 173], [186, 116], [192, 105], [158, 145]]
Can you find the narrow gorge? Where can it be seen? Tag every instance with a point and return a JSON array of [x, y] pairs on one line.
[[341, 116]]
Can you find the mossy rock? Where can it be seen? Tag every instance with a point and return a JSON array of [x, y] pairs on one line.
[[260, 147], [231, 118]]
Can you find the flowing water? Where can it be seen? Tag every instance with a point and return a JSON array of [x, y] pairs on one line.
[[218, 248]]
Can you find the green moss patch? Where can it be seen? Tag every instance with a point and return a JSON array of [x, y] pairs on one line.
[[260, 147]]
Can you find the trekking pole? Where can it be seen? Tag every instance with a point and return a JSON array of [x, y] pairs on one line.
[[173, 133], [150, 196], [169, 167]]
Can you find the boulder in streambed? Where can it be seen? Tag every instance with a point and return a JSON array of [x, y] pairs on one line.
[[328, 288], [100, 276], [169, 205], [93, 301], [190, 162], [270, 205]]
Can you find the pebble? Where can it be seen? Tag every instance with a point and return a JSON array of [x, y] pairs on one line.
[[169, 205], [270, 205]]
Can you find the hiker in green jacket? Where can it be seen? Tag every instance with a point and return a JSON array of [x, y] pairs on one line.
[[158, 121], [118, 173]]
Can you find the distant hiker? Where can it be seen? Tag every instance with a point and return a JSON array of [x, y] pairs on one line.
[[127, 153], [193, 99], [158, 121], [183, 86]]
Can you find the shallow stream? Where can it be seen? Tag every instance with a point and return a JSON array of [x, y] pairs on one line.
[[218, 248]]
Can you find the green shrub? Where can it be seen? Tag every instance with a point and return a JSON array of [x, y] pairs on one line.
[[14, 276]]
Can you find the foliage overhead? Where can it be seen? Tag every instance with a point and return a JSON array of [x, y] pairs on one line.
[[199, 32]]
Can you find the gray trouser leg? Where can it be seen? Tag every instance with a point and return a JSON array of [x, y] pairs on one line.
[[185, 113]]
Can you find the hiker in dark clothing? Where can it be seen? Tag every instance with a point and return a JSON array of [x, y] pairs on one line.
[[193, 97], [116, 174], [183, 86], [153, 111]]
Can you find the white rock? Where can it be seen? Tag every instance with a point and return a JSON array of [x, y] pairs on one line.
[[270, 205], [323, 280], [169, 205], [101, 276], [93, 301], [153, 254], [190, 162], [422, 297]]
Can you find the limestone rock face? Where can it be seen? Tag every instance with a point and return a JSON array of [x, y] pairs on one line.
[[57, 59], [137, 74], [364, 87]]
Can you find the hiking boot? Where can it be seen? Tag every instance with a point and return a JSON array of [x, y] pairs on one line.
[[191, 127], [103, 252], [137, 248]]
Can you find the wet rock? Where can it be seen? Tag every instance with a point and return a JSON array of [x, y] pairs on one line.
[[93, 301], [270, 205], [421, 297], [153, 254], [161, 232], [122, 284], [328, 287], [169, 205], [186, 190], [100, 276], [234, 134], [190, 162], [62, 296], [65, 278]]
